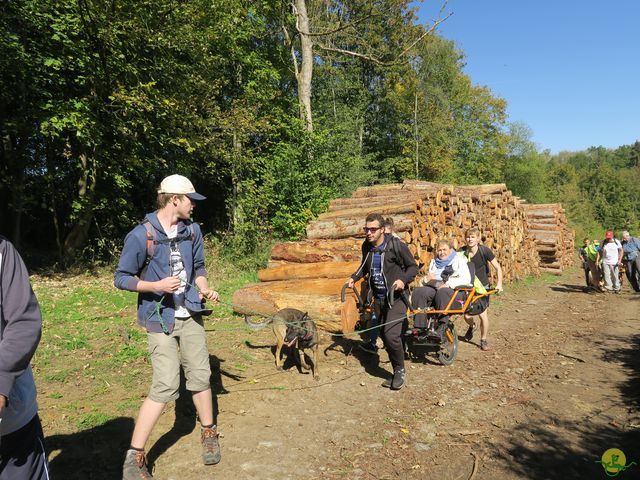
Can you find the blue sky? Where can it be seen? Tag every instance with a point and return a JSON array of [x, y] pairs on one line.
[[569, 69]]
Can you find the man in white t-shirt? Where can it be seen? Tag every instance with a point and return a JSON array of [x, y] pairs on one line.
[[610, 253]]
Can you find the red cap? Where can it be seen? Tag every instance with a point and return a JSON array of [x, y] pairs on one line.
[[608, 235]]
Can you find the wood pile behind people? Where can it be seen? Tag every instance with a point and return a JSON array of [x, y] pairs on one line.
[[554, 239], [308, 274]]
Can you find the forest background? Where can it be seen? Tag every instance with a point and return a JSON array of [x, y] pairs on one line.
[[272, 108]]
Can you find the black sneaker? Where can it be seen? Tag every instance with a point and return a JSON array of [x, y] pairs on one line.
[[387, 382], [398, 379], [469, 335], [368, 347]]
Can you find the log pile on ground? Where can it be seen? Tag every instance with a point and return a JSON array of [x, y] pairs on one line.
[[553, 238], [309, 274]]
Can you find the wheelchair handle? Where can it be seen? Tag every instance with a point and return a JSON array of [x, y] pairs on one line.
[[404, 297], [355, 290]]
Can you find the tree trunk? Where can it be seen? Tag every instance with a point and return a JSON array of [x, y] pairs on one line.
[[305, 74], [294, 271], [16, 200], [310, 251], [79, 233], [53, 208], [237, 216]]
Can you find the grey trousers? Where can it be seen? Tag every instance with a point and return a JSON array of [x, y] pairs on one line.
[[611, 278]]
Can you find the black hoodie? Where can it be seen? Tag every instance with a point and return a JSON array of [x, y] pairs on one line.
[[397, 263]]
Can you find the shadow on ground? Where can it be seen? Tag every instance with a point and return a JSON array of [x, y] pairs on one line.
[[539, 449], [566, 288], [97, 453], [369, 361]]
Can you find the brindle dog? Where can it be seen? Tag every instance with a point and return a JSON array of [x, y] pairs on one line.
[[294, 329]]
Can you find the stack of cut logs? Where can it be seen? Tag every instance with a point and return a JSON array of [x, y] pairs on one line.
[[309, 274], [554, 239]]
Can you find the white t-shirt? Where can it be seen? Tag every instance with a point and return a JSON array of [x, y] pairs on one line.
[[177, 270], [609, 252]]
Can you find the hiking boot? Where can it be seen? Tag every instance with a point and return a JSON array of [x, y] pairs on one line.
[[398, 379], [210, 445], [368, 348], [484, 345], [135, 466], [469, 335]]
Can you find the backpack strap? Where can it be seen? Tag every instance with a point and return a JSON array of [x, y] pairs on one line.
[[152, 242], [392, 247], [150, 246], [477, 284], [395, 248], [481, 252]]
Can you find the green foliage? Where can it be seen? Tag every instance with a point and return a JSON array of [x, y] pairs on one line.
[[597, 187], [99, 101], [92, 419]]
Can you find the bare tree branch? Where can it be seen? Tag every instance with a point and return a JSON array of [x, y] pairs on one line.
[[289, 43], [378, 61], [339, 28], [369, 58], [428, 32]]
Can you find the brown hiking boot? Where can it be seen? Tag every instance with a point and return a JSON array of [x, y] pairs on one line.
[[135, 466], [210, 446]]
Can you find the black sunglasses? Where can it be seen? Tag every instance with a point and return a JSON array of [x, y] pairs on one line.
[[371, 229]]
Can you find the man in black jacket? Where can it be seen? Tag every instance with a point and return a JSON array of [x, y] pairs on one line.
[[388, 267]]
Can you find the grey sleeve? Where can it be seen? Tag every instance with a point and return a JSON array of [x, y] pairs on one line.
[[20, 317]]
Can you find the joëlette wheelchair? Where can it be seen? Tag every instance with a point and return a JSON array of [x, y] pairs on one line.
[[438, 338]]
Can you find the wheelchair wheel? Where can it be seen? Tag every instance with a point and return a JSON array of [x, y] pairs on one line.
[[449, 346]]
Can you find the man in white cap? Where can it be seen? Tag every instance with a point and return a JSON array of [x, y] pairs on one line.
[[163, 260]]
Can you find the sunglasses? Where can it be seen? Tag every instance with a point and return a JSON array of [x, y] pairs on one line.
[[371, 229]]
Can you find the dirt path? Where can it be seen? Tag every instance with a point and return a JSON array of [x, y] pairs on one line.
[[559, 387]]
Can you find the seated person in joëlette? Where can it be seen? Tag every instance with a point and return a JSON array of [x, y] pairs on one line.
[[447, 271]]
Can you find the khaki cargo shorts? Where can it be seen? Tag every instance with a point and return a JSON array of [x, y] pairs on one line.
[[186, 346]]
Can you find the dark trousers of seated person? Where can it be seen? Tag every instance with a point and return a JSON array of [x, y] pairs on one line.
[[423, 297], [395, 324], [632, 269]]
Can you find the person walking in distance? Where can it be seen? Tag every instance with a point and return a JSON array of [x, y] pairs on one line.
[[389, 267], [481, 257], [610, 253], [585, 262], [22, 453], [631, 257], [163, 260], [591, 252]]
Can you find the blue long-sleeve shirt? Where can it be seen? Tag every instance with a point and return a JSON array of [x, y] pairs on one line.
[[156, 306], [630, 249]]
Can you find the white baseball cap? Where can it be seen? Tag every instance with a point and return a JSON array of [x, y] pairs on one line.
[[179, 185]]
